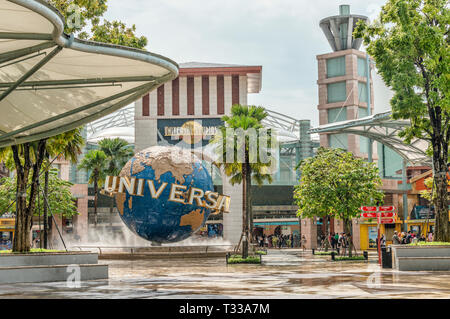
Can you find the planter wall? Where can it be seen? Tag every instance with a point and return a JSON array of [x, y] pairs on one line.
[[421, 258]]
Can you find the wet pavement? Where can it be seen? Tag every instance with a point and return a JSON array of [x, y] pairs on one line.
[[284, 274]]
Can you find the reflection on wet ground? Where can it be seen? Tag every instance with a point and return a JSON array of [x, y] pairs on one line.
[[284, 274]]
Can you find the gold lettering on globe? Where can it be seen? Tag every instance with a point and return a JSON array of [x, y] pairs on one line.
[[115, 185]]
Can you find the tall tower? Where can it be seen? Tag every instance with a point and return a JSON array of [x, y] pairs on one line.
[[345, 82]]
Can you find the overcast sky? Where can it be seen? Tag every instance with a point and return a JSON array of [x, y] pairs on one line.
[[281, 35]]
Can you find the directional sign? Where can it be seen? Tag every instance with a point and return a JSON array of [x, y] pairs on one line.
[[388, 221], [369, 215], [369, 208], [386, 208], [375, 215]]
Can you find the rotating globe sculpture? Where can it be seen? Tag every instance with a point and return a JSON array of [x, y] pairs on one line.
[[156, 216]]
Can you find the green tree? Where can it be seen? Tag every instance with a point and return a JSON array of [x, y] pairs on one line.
[[336, 184], [28, 158], [68, 146], [410, 45], [79, 14], [94, 163], [60, 198], [118, 152], [236, 138]]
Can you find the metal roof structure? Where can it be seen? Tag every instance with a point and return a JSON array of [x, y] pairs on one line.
[[121, 124], [51, 82], [383, 129]]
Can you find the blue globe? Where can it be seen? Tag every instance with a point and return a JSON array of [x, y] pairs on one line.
[[158, 219]]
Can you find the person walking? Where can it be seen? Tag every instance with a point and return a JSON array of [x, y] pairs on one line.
[[395, 239], [274, 241], [303, 242]]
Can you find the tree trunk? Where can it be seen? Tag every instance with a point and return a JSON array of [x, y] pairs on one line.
[[245, 211], [349, 231], [327, 232], [442, 231], [249, 202], [24, 209], [46, 177], [95, 200], [21, 241]]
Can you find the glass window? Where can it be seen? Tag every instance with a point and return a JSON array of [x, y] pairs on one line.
[[337, 115], [363, 141], [390, 163], [362, 67], [362, 92], [336, 67], [337, 92], [338, 141]]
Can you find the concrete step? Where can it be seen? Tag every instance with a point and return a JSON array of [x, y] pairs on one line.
[[28, 274], [49, 259], [154, 255]]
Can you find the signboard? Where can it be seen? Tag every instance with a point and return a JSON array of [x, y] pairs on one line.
[[187, 132], [369, 208], [375, 215], [386, 208], [388, 221]]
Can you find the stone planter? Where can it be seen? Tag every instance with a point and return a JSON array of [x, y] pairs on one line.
[[420, 258], [50, 267]]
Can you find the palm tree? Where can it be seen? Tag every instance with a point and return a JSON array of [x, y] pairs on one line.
[[251, 166], [118, 152], [95, 163]]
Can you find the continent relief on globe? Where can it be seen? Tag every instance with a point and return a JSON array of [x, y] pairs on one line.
[[161, 161], [193, 219]]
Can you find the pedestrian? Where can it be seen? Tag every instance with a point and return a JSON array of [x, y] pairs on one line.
[[395, 239], [274, 241], [343, 242], [332, 241], [383, 241], [266, 241], [303, 242], [430, 236]]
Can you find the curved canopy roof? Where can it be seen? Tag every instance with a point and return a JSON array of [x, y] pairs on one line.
[[51, 82], [383, 129]]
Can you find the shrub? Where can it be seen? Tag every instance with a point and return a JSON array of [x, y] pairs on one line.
[[236, 259], [346, 258], [426, 243]]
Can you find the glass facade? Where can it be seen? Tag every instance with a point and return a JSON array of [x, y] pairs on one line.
[[337, 92], [337, 140], [362, 92], [363, 141], [390, 163], [362, 67], [336, 67]]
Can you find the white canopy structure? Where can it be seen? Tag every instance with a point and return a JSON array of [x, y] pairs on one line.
[[51, 82], [383, 129]]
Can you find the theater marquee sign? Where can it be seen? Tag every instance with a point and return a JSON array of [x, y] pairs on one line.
[[193, 132]]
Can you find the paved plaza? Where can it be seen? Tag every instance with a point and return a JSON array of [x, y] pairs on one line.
[[284, 274]]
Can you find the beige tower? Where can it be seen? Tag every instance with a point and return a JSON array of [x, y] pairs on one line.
[[345, 93], [345, 89]]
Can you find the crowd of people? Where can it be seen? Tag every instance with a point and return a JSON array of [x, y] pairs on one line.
[[281, 241], [404, 238]]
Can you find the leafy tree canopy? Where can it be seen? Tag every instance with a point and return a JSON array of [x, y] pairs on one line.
[[335, 183], [60, 198]]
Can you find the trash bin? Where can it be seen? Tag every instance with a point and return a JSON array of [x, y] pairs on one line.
[[386, 257]]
